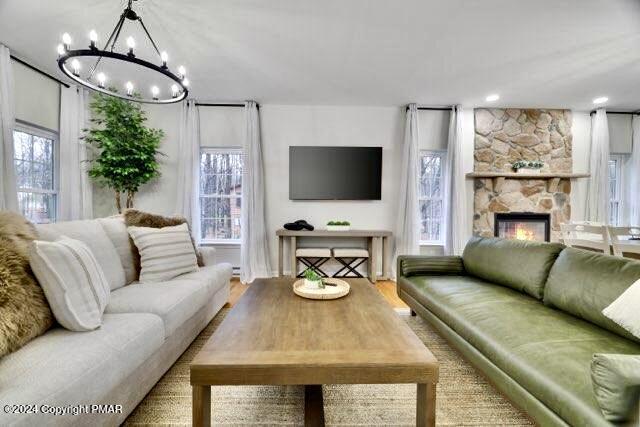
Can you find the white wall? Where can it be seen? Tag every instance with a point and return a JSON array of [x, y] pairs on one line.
[[37, 98]]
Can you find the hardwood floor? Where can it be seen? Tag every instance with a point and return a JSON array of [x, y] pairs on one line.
[[386, 287]]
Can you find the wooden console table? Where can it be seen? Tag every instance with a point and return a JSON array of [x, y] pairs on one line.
[[374, 237]]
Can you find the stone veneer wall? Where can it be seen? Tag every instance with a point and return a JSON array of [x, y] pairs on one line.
[[503, 136]]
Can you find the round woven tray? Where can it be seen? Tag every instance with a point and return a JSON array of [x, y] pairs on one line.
[[329, 292]]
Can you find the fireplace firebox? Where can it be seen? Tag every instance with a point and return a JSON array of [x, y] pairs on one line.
[[523, 226]]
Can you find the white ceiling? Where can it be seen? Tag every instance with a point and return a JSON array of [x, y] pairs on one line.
[[544, 53]]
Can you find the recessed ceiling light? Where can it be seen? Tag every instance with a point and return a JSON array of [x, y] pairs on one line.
[[600, 100], [492, 98]]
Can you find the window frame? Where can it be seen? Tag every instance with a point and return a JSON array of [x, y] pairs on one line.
[[619, 160], [214, 150], [443, 162], [42, 132]]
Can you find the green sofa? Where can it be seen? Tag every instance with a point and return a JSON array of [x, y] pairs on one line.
[[529, 316]]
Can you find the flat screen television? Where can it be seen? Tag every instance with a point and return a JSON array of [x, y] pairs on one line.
[[335, 173]]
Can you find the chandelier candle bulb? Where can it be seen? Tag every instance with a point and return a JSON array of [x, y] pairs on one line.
[[129, 87], [101, 80], [66, 40], [182, 72], [155, 91], [164, 57], [61, 50], [185, 82], [131, 44], [75, 64], [174, 91], [93, 38]]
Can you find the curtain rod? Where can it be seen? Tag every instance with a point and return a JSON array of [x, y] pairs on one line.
[[434, 108], [209, 104], [39, 71], [618, 112]]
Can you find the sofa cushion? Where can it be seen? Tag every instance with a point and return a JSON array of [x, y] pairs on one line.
[[584, 283], [214, 276], [518, 264], [616, 385], [116, 229], [175, 301], [412, 265], [68, 368], [93, 235], [546, 351], [73, 281]]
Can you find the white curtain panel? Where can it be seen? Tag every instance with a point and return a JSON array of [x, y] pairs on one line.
[[455, 200], [254, 250], [8, 189], [598, 194], [75, 196], [634, 169], [407, 238], [189, 166]]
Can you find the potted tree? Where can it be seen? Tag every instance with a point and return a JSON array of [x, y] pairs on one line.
[[125, 149]]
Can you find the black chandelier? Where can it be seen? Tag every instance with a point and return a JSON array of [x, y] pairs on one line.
[[96, 80]]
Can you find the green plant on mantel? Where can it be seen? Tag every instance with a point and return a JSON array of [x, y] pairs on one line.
[[125, 149], [528, 164]]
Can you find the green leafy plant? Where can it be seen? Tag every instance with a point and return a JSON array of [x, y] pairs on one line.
[[312, 276], [125, 150], [528, 164], [338, 223]]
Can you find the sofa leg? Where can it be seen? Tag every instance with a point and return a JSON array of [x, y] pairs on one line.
[[413, 313]]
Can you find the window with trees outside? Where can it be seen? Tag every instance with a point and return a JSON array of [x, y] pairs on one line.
[[431, 196], [36, 178], [220, 194]]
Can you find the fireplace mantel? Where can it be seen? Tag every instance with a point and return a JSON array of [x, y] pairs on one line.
[[514, 175]]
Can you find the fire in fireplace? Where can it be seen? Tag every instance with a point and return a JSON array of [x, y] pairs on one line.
[[523, 226]]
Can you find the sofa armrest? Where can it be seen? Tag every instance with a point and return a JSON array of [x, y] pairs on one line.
[[616, 385], [208, 255], [413, 265]]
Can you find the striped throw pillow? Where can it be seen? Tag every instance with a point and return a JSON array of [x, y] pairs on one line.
[[164, 252], [73, 282]]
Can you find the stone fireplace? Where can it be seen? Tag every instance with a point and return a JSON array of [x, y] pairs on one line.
[[503, 136]]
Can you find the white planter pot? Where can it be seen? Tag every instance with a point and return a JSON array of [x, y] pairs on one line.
[[528, 171], [338, 227], [312, 284]]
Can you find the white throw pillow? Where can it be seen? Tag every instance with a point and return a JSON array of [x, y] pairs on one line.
[[164, 252], [625, 309], [73, 282]]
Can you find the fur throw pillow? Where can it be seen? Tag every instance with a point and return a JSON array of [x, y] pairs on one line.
[[136, 218], [24, 310]]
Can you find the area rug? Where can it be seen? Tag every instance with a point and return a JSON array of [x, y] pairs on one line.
[[463, 396]]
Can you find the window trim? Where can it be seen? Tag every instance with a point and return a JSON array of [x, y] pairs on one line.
[[619, 161], [42, 132], [214, 150], [443, 162]]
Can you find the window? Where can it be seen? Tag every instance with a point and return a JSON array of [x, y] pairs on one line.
[[36, 178], [615, 189], [220, 194], [431, 196]]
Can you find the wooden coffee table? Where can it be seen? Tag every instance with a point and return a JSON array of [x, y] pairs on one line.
[[272, 336]]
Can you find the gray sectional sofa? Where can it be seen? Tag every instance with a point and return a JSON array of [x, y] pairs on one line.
[[146, 327]]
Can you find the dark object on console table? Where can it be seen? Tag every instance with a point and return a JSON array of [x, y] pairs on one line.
[[529, 316], [299, 225]]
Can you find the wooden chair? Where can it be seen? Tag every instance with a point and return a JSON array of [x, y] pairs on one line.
[[625, 241], [586, 236]]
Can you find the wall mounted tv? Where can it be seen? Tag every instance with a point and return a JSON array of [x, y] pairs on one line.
[[335, 173]]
